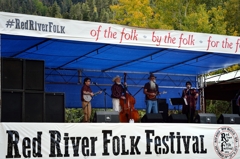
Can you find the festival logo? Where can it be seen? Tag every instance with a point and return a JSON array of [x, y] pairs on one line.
[[226, 142]]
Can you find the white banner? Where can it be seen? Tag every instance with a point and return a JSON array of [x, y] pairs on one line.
[[119, 140], [37, 26]]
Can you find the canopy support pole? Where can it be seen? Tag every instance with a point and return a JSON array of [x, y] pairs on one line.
[[201, 85], [0, 78]]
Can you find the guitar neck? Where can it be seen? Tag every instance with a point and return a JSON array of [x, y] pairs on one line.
[[97, 93]]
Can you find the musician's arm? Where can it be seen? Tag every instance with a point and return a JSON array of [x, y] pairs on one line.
[[88, 93], [145, 91], [148, 93], [196, 94]]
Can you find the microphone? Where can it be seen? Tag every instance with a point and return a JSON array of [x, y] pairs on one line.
[[94, 83]]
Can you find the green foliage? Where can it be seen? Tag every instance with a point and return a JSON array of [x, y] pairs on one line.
[[218, 107], [88, 10], [197, 21], [232, 17], [54, 11], [135, 13], [75, 115]]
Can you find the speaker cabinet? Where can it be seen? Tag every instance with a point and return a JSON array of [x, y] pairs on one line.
[[163, 108], [11, 106], [106, 117], [33, 110], [229, 119], [54, 107], [206, 118], [22, 74], [12, 73], [34, 75], [178, 118], [152, 118]]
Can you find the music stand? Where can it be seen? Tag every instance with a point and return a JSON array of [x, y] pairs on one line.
[[177, 101]]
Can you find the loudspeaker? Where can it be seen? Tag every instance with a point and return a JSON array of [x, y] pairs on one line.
[[34, 75], [229, 119], [33, 109], [106, 117], [11, 106], [152, 118], [161, 100], [235, 108], [54, 107], [178, 118], [12, 73], [209, 118], [163, 108]]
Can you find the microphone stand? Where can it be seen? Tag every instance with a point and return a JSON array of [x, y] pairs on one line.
[[105, 93], [179, 105]]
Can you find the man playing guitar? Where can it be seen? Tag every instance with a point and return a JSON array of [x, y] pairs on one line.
[[151, 91]]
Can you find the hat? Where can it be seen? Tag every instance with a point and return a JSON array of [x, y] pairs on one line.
[[116, 78], [151, 75], [188, 82]]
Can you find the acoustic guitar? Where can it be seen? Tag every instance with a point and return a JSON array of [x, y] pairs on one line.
[[88, 97], [153, 96]]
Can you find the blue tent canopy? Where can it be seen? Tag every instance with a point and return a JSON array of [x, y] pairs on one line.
[[69, 59]]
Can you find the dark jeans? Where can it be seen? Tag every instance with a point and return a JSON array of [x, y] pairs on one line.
[[190, 114]]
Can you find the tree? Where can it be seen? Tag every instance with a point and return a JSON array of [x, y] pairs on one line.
[[76, 12], [217, 20], [54, 11], [65, 5], [85, 12], [104, 16], [136, 13], [211, 3], [197, 21], [103, 9], [40, 8], [232, 17]]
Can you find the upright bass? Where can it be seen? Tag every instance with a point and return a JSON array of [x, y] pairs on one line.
[[128, 112]]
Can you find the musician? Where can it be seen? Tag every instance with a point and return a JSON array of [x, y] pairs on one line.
[[86, 106], [151, 91], [190, 97], [238, 101], [117, 93]]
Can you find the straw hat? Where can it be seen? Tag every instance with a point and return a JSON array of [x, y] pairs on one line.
[[114, 79]]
